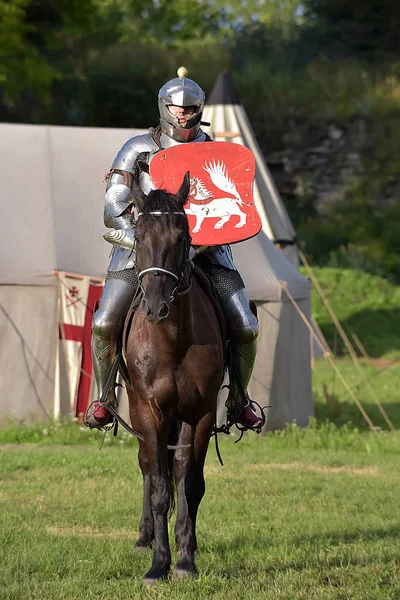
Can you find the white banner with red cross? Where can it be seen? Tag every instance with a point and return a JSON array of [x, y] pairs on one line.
[[78, 296]]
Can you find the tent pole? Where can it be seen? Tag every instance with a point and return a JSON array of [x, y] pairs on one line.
[[56, 401], [78, 276]]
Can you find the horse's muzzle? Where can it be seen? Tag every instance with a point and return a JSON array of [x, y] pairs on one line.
[[155, 315]]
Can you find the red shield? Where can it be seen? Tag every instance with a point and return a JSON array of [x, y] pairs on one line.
[[220, 206]]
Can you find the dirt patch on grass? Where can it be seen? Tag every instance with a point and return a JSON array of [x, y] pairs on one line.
[[87, 531], [384, 362], [346, 469], [211, 470], [295, 466]]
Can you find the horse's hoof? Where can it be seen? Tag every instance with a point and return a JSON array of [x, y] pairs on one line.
[[155, 575], [142, 547], [179, 574], [184, 568], [144, 542], [150, 582]]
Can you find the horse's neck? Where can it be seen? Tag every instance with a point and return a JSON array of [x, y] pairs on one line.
[[180, 319], [179, 324]]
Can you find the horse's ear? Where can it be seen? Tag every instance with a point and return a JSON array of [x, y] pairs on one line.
[[183, 191], [139, 197]]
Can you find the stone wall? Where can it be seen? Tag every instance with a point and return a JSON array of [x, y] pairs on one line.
[[318, 162]]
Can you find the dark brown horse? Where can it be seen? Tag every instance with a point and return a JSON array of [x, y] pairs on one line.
[[174, 355]]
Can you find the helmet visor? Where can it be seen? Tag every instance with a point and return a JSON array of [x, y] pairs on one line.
[[183, 116], [185, 111]]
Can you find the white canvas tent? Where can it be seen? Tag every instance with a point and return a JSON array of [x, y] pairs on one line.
[[229, 123], [51, 204]]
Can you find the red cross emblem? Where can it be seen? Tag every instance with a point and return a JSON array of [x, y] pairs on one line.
[[73, 297]]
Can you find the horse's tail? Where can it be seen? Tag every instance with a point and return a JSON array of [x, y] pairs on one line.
[[173, 440]]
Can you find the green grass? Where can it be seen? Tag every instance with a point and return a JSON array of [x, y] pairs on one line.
[[299, 514], [334, 403], [302, 514], [366, 305]]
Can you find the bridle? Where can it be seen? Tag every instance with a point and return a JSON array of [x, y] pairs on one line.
[[176, 292]]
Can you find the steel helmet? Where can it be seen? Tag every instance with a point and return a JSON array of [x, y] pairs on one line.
[[180, 91]]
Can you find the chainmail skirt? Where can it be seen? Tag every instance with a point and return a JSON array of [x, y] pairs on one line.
[[226, 282]]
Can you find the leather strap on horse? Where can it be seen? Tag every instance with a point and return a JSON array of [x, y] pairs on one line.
[[138, 435], [111, 409]]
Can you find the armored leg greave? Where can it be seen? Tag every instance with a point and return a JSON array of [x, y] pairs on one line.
[[107, 325], [242, 324], [242, 333]]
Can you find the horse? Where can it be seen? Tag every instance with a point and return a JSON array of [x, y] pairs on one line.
[[174, 353]]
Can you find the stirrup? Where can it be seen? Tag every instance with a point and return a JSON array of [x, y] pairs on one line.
[[234, 419], [103, 401], [111, 420], [100, 422], [255, 422]]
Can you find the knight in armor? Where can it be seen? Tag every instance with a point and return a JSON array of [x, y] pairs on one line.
[[181, 103]]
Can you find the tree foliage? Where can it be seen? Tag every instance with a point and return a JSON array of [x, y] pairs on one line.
[[43, 43], [21, 63], [367, 28], [101, 63]]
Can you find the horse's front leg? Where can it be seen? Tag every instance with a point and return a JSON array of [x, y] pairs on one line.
[[146, 526], [156, 446], [190, 485]]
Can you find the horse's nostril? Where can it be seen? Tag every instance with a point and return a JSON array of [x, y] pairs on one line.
[[164, 311]]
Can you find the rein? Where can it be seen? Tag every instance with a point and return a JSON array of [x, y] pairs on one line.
[[176, 292], [117, 418], [114, 369]]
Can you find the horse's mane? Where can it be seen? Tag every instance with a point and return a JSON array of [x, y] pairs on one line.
[[166, 203]]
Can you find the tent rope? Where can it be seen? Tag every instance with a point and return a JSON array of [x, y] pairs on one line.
[[346, 340], [329, 356], [25, 347]]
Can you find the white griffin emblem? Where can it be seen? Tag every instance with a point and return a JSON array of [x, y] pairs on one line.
[[203, 205]]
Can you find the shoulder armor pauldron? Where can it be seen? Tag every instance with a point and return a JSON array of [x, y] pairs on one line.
[[130, 151]]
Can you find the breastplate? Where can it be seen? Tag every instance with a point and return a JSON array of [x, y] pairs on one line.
[[166, 142]]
